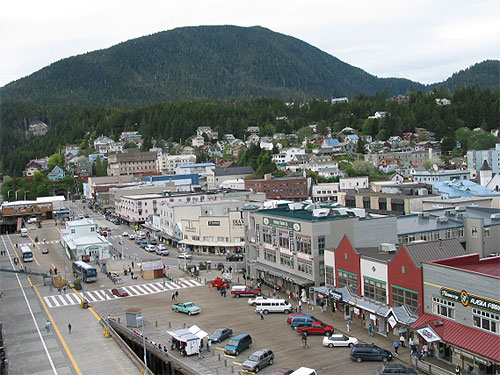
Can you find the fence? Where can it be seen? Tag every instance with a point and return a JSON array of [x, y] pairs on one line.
[[428, 368]]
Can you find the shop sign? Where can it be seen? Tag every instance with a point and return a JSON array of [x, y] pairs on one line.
[[274, 236], [282, 224], [304, 256], [428, 334], [257, 233], [335, 295], [214, 223], [392, 321], [470, 355], [467, 299], [291, 239], [238, 223], [373, 317]]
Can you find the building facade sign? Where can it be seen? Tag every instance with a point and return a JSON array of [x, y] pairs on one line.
[[214, 223], [428, 334], [285, 224], [467, 299]]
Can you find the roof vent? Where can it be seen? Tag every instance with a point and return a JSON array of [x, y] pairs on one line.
[[423, 215], [460, 208], [387, 247], [321, 212], [442, 219], [294, 206], [437, 323], [495, 216], [449, 212]]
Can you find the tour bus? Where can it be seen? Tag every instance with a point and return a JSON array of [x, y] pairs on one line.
[[27, 254], [84, 271]]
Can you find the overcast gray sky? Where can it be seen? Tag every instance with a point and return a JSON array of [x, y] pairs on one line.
[[424, 40]]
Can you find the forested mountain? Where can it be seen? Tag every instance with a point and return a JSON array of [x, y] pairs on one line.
[[199, 63], [485, 74], [470, 108]]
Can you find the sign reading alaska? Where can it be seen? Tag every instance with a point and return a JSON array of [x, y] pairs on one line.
[[467, 299], [282, 223]]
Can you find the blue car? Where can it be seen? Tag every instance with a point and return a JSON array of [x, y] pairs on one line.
[[302, 321], [143, 244]]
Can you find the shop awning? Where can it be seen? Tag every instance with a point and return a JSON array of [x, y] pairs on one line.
[[475, 341], [402, 316], [329, 292], [302, 281], [372, 306]]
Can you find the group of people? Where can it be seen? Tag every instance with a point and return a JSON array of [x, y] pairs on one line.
[[155, 344], [175, 295]]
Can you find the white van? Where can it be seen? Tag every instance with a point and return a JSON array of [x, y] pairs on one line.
[[24, 232], [304, 371], [273, 305]]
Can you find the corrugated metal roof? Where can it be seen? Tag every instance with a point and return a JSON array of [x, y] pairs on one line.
[[484, 344], [434, 250]]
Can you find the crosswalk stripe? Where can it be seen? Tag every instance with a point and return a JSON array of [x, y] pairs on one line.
[[149, 288], [63, 300], [188, 282], [136, 292], [55, 301], [157, 286], [47, 301], [74, 298], [90, 297], [140, 287]]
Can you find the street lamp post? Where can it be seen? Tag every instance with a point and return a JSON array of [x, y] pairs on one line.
[[106, 320], [27, 191], [8, 194], [17, 191], [144, 344]]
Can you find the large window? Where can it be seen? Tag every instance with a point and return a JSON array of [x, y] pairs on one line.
[[348, 279], [375, 289], [443, 307], [284, 240], [405, 297], [486, 320], [304, 266], [270, 255], [303, 244], [286, 260], [321, 245], [329, 276], [267, 236]]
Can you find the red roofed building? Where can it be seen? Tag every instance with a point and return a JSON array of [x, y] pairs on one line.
[[462, 311]]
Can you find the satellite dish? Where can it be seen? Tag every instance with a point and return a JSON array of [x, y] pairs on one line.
[[435, 167]]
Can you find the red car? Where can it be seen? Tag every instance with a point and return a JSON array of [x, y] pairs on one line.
[[291, 316], [120, 292], [220, 283], [317, 328], [245, 291]]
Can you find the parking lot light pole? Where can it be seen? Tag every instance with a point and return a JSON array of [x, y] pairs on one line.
[[144, 344], [106, 320]]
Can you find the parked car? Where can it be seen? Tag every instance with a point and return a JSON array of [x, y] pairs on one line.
[[234, 257], [316, 328], [245, 291], [45, 250], [131, 236], [258, 360], [283, 371], [339, 340], [153, 241], [253, 301], [184, 256], [273, 305], [162, 250], [238, 343], [302, 321], [219, 283], [143, 244], [120, 292], [369, 352], [291, 316], [394, 368], [86, 216], [188, 308], [150, 248], [220, 334], [125, 234]]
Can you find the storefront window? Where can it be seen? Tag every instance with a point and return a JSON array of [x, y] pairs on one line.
[[485, 320], [375, 289], [348, 280], [443, 307], [286, 260], [405, 297], [329, 276], [267, 236]]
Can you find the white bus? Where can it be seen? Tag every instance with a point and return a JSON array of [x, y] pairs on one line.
[[84, 271], [26, 254]]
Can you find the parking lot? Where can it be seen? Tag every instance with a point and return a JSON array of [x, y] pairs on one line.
[[273, 332]]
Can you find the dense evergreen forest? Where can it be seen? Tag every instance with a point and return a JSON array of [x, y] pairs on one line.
[[470, 108]]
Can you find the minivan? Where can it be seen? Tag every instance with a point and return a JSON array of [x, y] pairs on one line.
[[273, 305], [258, 360], [369, 352], [302, 320], [238, 343]]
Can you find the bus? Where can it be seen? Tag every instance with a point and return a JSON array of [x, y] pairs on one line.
[[84, 271], [27, 254]]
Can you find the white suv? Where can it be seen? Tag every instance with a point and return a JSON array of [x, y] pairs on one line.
[[150, 248]]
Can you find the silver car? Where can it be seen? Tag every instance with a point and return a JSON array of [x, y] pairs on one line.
[[258, 360]]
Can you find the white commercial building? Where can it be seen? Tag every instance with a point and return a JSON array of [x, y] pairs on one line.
[[81, 239], [168, 163]]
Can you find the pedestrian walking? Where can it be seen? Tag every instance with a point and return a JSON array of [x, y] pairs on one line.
[[55, 271], [300, 305], [290, 296], [261, 313], [303, 339], [402, 341], [47, 326], [200, 351], [370, 329], [50, 271], [348, 326], [469, 370], [209, 343], [173, 296], [132, 264], [131, 275], [176, 294], [69, 328], [322, 306], [396, 347], [458, 370], [425, 349]]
